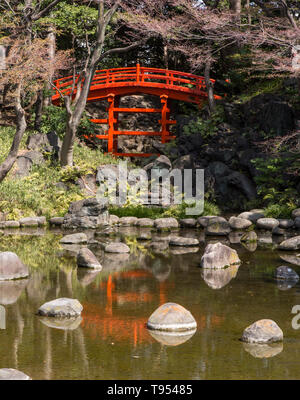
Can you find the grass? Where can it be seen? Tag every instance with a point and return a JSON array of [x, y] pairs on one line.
[[37, 193]]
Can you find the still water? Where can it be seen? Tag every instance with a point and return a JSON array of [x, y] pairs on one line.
[[110, 341]]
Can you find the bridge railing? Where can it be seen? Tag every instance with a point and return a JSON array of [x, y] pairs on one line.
[[143, 76]]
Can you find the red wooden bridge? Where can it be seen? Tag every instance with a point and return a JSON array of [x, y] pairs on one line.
[[112, 84]]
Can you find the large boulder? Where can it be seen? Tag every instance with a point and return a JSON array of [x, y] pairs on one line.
[[11, 267], [286, 223], [10, 374], [218, 255], [86, 214], [87, 259], [262, 331], [296, 213], [171, 317], [25, 162], [218, 226], [63, 307], [290, 244]]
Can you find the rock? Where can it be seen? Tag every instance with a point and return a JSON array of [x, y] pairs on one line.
[[144, 236], [109, 231], [183, 250], [159, 246], [36, 141], [74, 238], [9, 374], [10, 291], [217, 226], [262, 331], [166, 223], [69, 324], [63, 307], [85, 258], [297, 222], [87, 184], [286, 273], [25, 162], [86, 214], [218, 278], [296, 213], [239, 223], [171, 317], [291, 259], [11, 267], [267, 223], [172, 338], [128, 221], [113, 219], [286, 223], [188, 223], [252, 216], [290, 244], [203, 221], [218, 255], [29, 222], [183, 241], [263, 350], [11, 224], [56, 221], [145, 222], [117, 248], [235, 237], [278, 231]]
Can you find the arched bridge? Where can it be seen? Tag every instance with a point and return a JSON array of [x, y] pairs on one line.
[[112, 84]]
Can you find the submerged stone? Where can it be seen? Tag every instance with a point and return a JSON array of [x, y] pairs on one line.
[[10, 374], [117, 248], [87, 259], [63, 307], [183, 241], [218, 255], [75, 238], [171, 317], [11, 267], [262, 331], [286, 273], [218, 278]]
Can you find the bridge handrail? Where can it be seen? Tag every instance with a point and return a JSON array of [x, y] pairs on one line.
[[137, 74]]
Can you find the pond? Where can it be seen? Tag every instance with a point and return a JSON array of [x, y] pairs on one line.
[[111, 341]]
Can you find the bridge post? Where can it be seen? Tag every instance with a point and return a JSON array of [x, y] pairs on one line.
[[116, 124], [110, 141], [164, 118]]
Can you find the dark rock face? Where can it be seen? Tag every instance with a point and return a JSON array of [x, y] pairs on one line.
[[86, 214], [270, 113]]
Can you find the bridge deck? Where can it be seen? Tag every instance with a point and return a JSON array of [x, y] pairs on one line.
[[114, 83]]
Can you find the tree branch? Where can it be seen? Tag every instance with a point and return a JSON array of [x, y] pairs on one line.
[[43, 12], [120, 50]]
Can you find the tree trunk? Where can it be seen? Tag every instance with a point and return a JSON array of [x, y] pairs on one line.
[[8, 163], [66, 154], [38, 111], [209, 87], [52, 49]]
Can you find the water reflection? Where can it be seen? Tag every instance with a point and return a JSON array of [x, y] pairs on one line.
[[2, 317], [172, 338], [218, 278], [263, 350], [10, 291], [61, 323]]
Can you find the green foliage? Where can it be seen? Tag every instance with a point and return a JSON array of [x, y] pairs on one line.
[[175, 211], [262, 86], [55, 119], [276, 184], [206, 127]]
